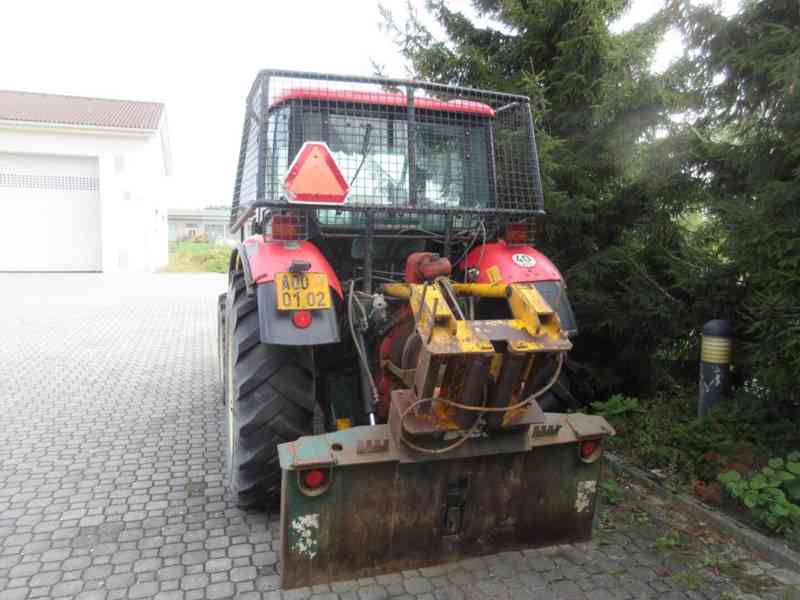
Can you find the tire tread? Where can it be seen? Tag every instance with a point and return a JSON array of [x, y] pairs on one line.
[[273, 389]]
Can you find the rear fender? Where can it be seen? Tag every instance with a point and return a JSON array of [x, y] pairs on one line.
[[500, 262], [260, 261], [268, 258], [497, 261]]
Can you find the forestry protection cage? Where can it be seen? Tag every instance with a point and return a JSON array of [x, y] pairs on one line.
[[411, 153]]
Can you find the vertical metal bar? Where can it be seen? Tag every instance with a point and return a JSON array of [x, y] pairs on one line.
[[262, 139], [492, 167], [537, 179], [273, 168], [325, 124], [448, 235], [412, 149], [295, 128], [237, 186], [368, 240], [366, 384]]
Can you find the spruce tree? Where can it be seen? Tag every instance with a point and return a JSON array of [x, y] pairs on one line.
[[744, 144], [613, 207]]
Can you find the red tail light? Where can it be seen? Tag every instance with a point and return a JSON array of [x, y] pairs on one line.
[[517, 233], [302, 319], [314, 478], [285, 227], [589, 447]]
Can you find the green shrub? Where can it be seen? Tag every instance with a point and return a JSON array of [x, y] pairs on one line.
[[612, 491], [664, 433], [770, 495], [615, 405]]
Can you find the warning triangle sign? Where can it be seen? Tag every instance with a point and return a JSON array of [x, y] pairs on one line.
[[314, 177]]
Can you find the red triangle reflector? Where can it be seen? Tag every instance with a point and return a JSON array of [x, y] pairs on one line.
[[314, 177]]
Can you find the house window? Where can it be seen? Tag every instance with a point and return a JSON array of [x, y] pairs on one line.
[[190, 230]]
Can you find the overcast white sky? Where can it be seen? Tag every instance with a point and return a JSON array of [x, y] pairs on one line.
[[199, 58]]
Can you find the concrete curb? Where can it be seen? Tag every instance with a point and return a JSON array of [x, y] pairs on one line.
[[772, 550]]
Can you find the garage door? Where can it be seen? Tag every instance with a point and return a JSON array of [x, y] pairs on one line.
[[49, 213]]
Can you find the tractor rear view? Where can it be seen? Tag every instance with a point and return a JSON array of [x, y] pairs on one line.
[[391, 343]]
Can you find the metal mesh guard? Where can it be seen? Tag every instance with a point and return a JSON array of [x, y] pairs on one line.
[[407, 148]]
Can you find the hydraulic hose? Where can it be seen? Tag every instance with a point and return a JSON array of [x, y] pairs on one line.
[[358, 340]]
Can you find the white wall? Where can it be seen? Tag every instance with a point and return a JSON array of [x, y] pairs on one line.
[[133, 187]]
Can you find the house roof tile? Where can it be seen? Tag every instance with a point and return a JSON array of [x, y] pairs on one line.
[[77, 110]]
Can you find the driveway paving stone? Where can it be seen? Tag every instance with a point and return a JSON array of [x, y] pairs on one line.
[[111, 474]]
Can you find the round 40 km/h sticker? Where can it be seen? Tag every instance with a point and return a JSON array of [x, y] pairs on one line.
[[524, 260]]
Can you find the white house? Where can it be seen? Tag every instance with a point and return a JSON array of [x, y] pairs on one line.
[[186, 223], [83, 183]]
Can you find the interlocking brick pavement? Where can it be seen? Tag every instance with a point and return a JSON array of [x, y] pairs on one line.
[[111, 473]]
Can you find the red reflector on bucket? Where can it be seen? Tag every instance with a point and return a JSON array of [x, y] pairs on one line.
[[314, 478], [301, 319], [588, 448], [314, 177]]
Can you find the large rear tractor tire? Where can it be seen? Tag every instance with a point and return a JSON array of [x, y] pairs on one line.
[[270, 400], [222, 305]]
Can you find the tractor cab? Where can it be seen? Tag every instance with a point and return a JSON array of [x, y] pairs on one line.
[[433, 157], [367, 135]]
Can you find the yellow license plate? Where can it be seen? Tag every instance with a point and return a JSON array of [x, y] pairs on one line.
[[302, 291]]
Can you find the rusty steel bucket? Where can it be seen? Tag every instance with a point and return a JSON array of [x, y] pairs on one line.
[[357, 502]]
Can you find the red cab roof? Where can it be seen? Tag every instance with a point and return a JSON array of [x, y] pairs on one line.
[[385, 99]]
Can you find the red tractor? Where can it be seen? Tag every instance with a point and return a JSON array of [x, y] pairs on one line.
[[391, 343]]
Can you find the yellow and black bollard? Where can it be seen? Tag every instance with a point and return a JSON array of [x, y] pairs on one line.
[[715, 364]]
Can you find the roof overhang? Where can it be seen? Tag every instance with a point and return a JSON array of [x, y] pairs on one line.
[[66, 128]]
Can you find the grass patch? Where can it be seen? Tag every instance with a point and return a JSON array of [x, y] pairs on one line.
[[198, 257], [692, 580], [669, 541]]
